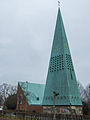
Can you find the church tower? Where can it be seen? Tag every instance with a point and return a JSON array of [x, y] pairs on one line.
[[61, 87]]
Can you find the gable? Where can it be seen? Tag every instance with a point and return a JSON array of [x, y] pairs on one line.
[[33, 92]]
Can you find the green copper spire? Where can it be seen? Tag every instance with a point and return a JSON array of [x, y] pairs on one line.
[[61, 77]]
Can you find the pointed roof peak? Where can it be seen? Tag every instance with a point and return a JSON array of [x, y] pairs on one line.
[[58, 3], [61, 76]]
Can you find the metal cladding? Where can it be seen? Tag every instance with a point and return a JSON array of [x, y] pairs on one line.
[[61, 77], [33, 92]]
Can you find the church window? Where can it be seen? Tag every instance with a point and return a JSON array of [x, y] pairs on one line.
[[20, 98], [71, 74]]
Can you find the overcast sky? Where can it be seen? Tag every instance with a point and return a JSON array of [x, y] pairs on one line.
[[26, 35]]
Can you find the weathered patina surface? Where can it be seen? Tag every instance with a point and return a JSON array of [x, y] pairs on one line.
[[61, 77]]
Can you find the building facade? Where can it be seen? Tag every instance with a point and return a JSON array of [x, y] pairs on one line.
[[29, 97]]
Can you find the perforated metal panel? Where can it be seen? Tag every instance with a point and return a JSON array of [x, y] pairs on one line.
[[56, 63], [69, 62]]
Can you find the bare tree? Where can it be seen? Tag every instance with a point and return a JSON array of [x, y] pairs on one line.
[[6, 90]]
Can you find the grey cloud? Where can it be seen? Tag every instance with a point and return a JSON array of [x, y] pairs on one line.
[[26, 35]]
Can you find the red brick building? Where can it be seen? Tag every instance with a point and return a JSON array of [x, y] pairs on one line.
[[30, 96]]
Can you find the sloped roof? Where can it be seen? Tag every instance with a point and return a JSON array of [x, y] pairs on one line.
[[33, 92], [61, 78]]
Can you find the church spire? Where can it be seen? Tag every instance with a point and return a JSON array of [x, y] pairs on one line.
[[58, 3], [61, 77]]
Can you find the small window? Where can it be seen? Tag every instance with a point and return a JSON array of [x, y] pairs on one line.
[[48, 98], [37, 98], [51, 98], [71, 74], [61, 97], [58, 97]]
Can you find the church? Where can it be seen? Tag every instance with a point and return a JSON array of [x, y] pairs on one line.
[[61, 88]]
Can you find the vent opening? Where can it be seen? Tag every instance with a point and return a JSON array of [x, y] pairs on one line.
[[56, 63], [69, 62]]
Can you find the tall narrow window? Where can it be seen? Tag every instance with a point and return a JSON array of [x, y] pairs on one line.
[[71, 74]]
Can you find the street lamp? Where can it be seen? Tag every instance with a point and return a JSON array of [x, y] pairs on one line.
[[55, 94]]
